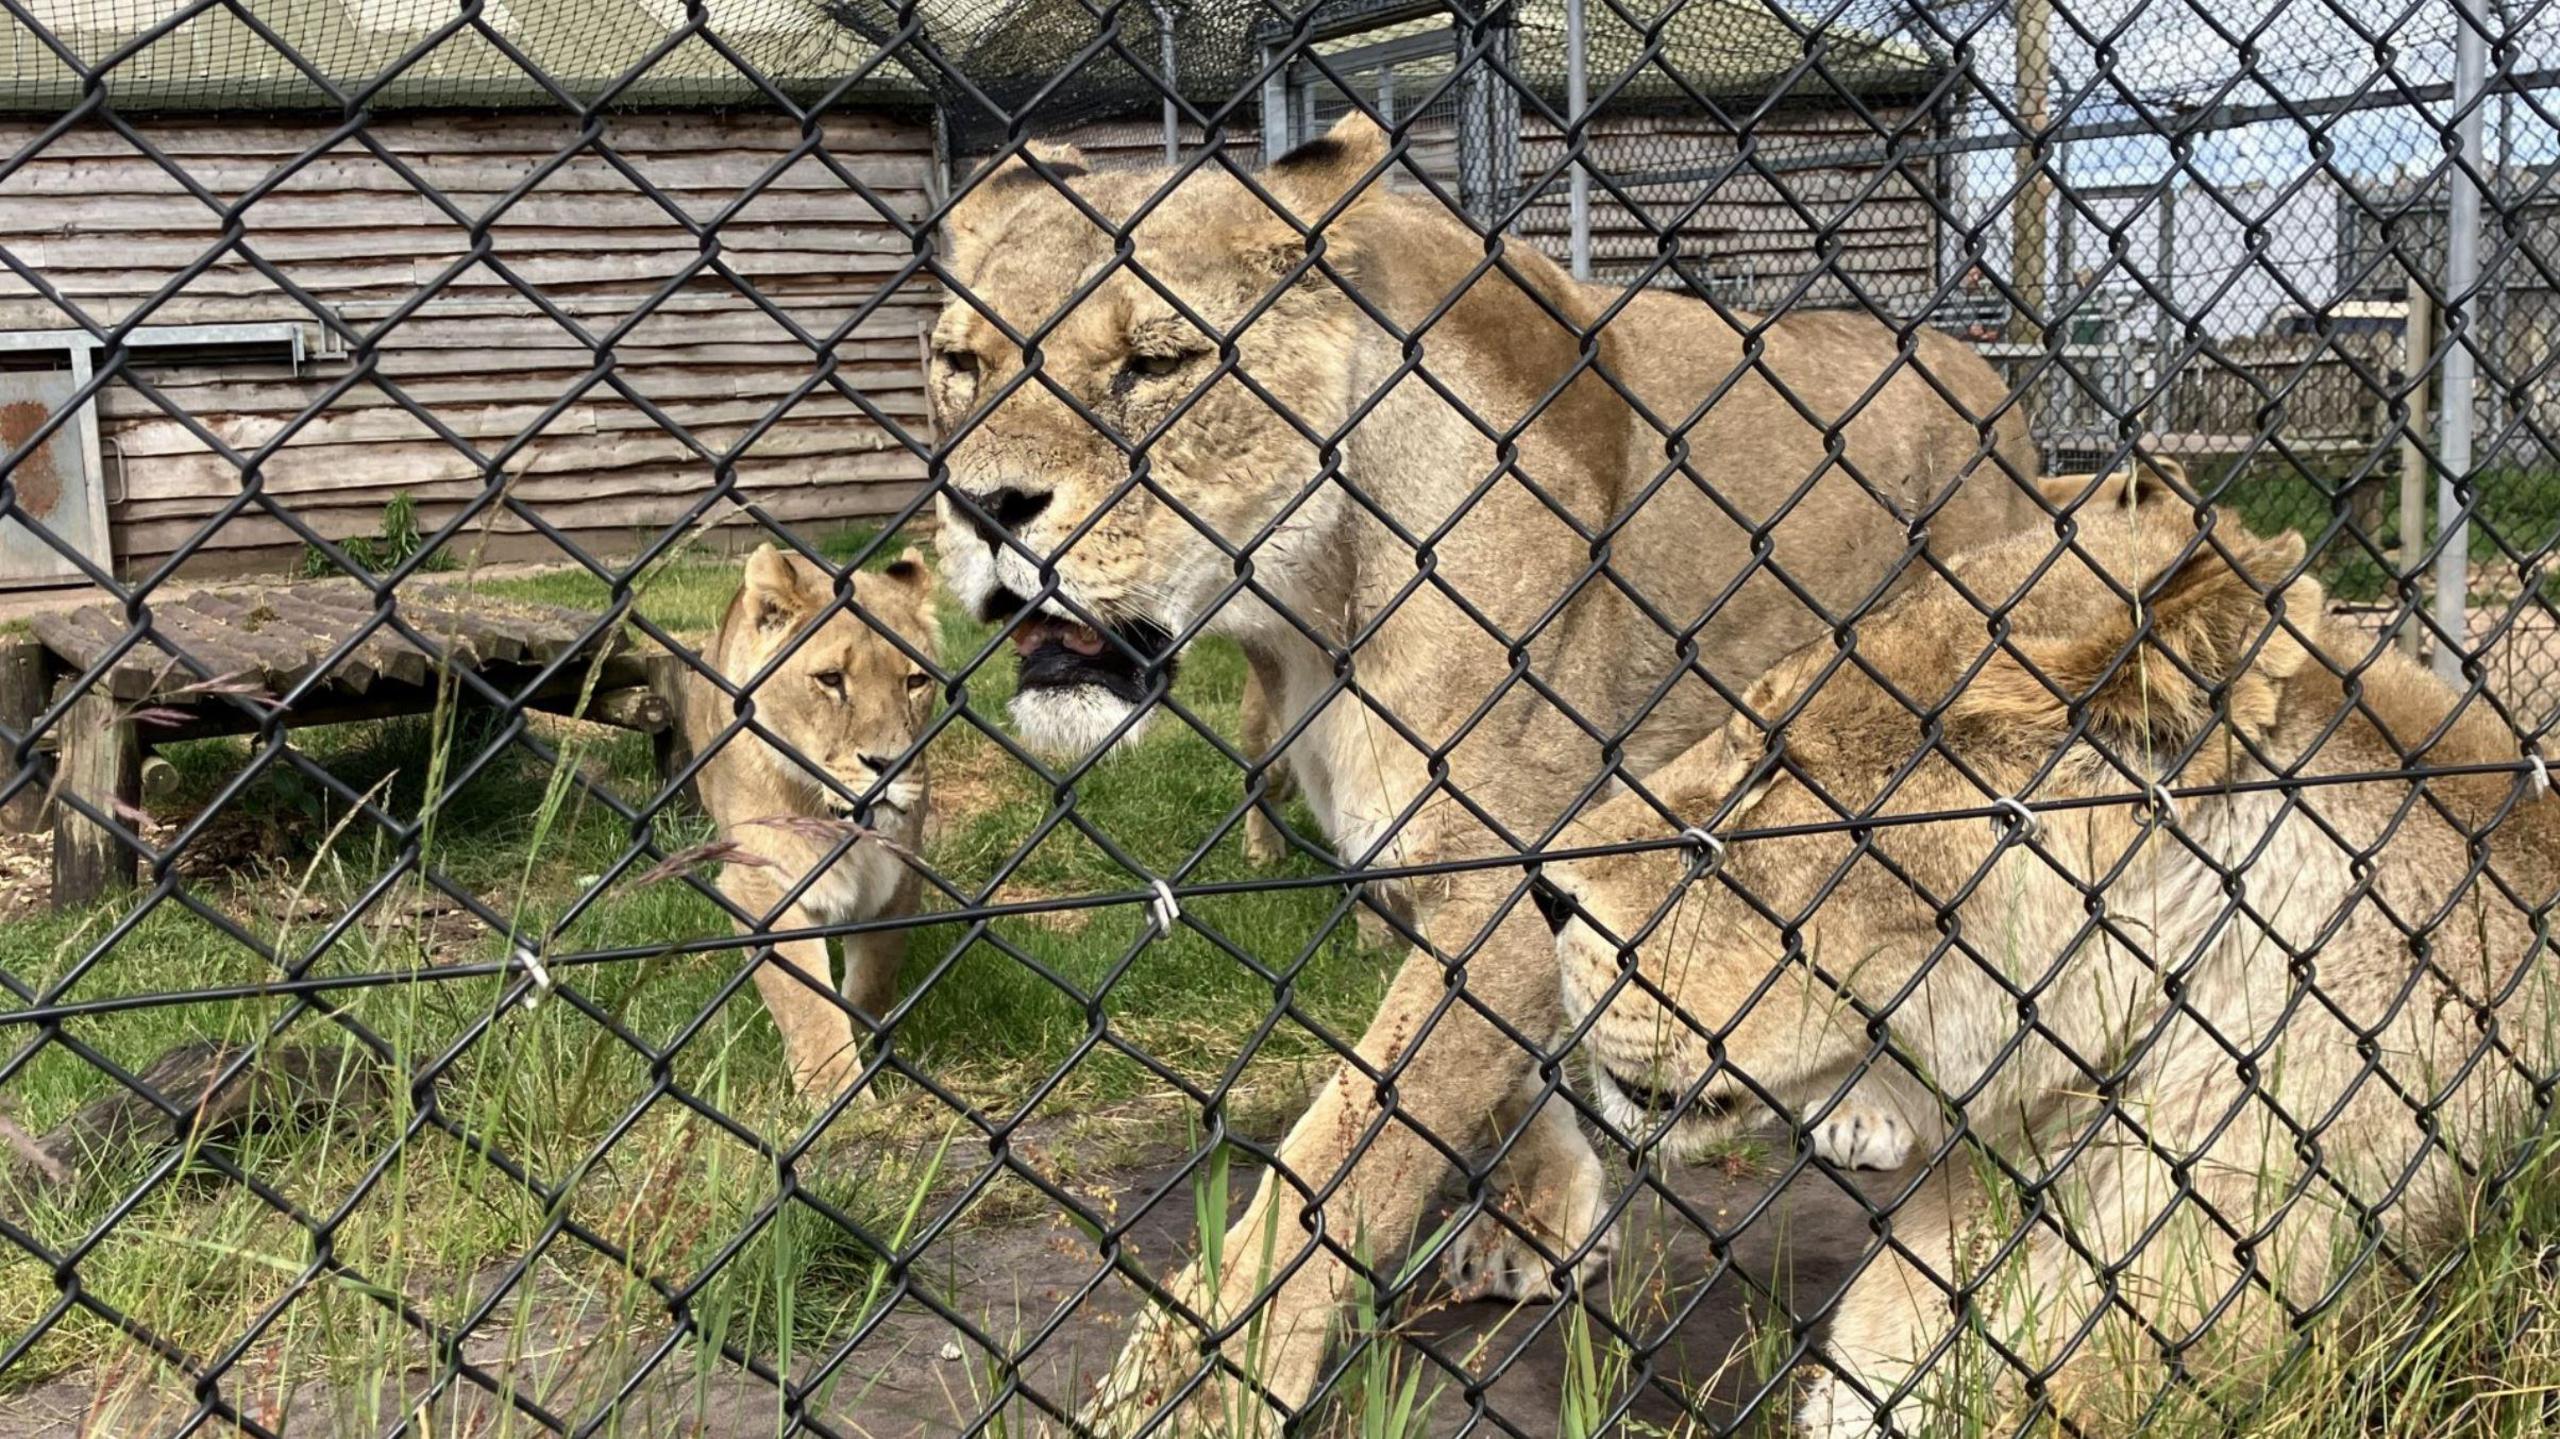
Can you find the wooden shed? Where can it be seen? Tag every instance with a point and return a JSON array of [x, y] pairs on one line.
[[475, 297]]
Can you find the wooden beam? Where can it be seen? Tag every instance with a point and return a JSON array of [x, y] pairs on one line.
[[22, 698], [101, 765]]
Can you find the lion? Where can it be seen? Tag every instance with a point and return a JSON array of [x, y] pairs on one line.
[[1499, 543], [2150, 480], [2188, 1061], [849, 695]]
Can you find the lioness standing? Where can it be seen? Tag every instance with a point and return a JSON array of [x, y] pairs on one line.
[[1485, 584], [849, 701]]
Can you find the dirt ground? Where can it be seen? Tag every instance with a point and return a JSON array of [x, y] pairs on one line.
[[1032, 1288]]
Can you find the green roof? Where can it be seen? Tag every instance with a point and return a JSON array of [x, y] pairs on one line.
[[213, 61]]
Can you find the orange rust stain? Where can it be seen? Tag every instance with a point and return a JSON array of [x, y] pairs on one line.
[[38, 480]]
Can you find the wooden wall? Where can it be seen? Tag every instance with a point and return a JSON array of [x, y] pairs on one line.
[[107, 226]]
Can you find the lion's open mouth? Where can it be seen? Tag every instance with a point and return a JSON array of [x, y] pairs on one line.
[[843, 808], [1058, 654]]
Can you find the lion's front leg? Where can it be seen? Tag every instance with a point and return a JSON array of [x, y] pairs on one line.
[[1553, 1189], [817, 1033], [1259, 734], [1449, 1081], [1895, 1312]]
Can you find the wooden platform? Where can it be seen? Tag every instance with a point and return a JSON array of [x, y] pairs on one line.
[[299, 655]]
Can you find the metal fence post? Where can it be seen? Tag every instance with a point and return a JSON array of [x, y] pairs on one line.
[[2166, 331], [1275, 106], [1576, 99], [2415, 342], [2461, 279], [1172, 80], [2030, 209]]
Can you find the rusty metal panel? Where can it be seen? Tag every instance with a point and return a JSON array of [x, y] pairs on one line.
[[57, 486]]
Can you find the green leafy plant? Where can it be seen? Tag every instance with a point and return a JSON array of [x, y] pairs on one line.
[[391, 544]]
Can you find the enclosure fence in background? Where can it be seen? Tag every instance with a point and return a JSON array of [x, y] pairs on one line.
[[2081, 974]]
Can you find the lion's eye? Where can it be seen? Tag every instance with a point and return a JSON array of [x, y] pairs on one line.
[[918, 681], [1156, 367], [830, 679]]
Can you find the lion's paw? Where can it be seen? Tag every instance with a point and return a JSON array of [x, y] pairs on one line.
[[1263, 843], [1860, 1138], [1488, 1260], [1832, 1408], [1560, 1201]]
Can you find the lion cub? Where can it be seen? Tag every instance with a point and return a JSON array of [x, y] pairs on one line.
[[851, 703]]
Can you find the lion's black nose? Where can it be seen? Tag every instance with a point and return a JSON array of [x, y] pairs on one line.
[[1003, 511], [1551, 903], [1014, 508]]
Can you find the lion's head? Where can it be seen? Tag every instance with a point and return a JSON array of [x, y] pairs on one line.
[[846, 697], [1772, 970], [1124, 430]]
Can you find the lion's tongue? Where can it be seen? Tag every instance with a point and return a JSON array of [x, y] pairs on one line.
[[1033, 633]]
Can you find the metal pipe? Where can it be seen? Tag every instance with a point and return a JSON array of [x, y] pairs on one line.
[[2461, 280], [2170, 310], [1577, 97], [1275, 106], [1172, 81], [2415, 345], [2030, 208]]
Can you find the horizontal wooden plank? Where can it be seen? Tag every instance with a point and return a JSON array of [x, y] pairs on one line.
[[618, 524], [460, 313], [311, 490], [206, 393], [147, 252], [498, 133], [115, 215], [419, 467], [863, 260], [145, 442], [349, 170]]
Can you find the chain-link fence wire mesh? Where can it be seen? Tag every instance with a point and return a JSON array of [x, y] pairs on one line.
[[476, 1122]]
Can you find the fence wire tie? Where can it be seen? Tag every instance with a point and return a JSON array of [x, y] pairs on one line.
[[534, 969], [2541, 772], [2156, 797], [1708, 845], [2009, 814], [1163, 910]]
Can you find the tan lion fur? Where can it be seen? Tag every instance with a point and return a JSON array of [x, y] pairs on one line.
[[2145, 481], [1514, 471], [849, 700], [2182, 1042]]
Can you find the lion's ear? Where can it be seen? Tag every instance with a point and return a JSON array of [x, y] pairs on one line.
[[1005, 187], [2214, 628], [775, 595], [1314, 177], [909, 570], [1309, 182], [2144, 482]]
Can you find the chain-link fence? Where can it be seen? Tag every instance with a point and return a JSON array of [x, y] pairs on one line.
[[1385, 719]]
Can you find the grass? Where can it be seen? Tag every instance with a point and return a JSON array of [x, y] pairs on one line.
[[436, 1222], [546, 1087], [2517, 506]]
